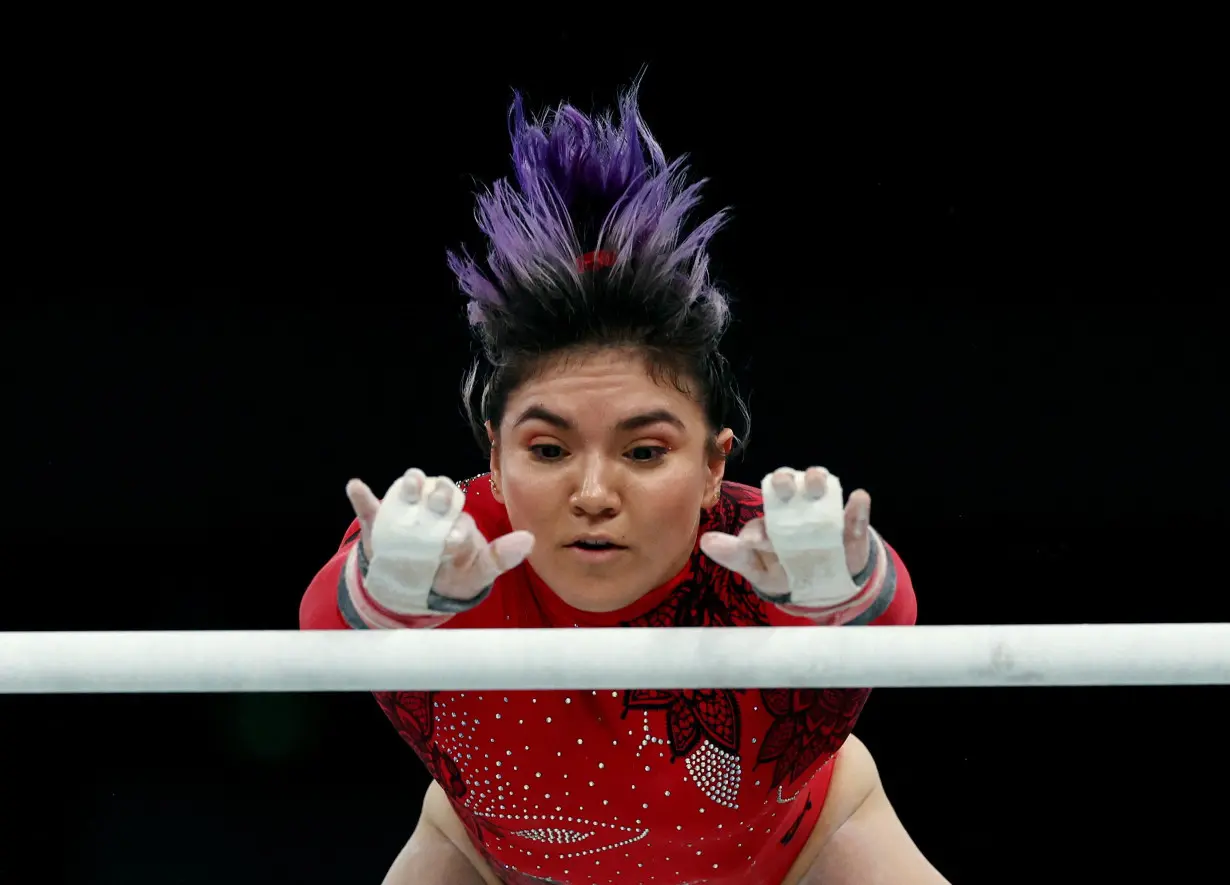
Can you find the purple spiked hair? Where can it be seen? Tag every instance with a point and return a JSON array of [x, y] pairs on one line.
[[630, 200], [589, 245]]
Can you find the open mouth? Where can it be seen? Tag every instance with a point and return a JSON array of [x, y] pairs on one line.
[[596, 545]]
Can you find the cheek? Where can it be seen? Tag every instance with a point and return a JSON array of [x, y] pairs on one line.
[[667, 511], [530, 497]]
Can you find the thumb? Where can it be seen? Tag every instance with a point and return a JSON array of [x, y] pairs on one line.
[[366, 505], [727, 551], [509, 551], [475, 564]]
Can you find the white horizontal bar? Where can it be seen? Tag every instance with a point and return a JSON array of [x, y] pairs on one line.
[[615, 658]]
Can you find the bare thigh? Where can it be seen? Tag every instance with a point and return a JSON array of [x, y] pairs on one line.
[[438, 811], [854, 776]]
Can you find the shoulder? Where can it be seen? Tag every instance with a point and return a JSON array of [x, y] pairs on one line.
[[737, 505], [742, 492], [490, 515]]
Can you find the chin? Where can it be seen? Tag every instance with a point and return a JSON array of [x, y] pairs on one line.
[[596, 589]]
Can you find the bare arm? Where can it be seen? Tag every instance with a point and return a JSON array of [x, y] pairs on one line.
[[872, 846]]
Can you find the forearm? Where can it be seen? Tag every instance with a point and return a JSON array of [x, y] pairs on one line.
[[429, 858]]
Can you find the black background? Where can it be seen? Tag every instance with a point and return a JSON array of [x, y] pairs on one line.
[[975, 276]]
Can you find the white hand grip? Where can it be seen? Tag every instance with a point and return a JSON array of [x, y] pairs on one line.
[[807, 535], [408, 541]]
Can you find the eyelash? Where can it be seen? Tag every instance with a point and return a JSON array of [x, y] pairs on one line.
[[659, 452]]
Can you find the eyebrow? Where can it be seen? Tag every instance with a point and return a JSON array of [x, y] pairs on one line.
[[633, 422]]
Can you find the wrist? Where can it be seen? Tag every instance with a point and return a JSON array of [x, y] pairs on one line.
[[433, 604], [836, 601]]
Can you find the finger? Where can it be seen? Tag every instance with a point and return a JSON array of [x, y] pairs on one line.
[[364, 502], [756, 536], [730, 552], [509, 551], [478, 564], [412, 485], [858, 514], [783, 483], [464, 543], [440, 499], [767, 561], [815, 482]]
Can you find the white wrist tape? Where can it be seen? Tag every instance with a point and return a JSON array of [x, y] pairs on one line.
[[808, 536], [408, 543]]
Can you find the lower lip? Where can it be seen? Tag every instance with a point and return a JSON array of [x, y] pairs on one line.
[[596, 556]]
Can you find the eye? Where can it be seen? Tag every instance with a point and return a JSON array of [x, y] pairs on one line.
[[547, 452], [647, 454]]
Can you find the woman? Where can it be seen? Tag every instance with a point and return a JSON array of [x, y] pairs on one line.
[[604, 406]]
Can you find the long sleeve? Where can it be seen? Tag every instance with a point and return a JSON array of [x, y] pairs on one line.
[[336, 598], [892, 600]]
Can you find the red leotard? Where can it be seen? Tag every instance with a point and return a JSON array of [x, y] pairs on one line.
[[637, 786]]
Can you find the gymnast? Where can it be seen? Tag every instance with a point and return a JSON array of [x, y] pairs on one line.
[[607, 414]]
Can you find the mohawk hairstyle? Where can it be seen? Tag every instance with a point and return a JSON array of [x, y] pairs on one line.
[[587, 185]]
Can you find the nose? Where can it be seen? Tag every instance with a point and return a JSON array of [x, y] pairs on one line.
[[595, 493]]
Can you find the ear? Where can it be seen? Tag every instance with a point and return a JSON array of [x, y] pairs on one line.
[[717, 467], [492, 438]]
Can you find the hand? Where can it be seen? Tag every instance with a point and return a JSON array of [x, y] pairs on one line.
[[418, 539], [805, 549]]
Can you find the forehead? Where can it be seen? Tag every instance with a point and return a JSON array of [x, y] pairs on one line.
[[603, 386]]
